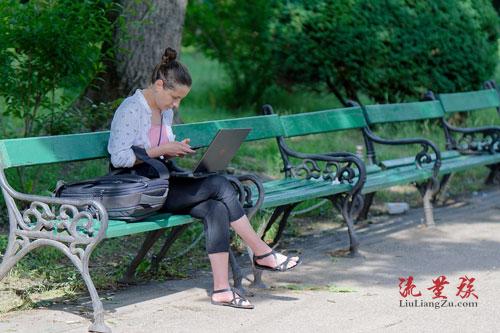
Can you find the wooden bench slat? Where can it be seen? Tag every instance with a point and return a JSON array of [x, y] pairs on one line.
[[469, 101], [315, 191], [53, 149], [466, 162], [389, 178], [121, 228], [202, 133], [387, 113], [323, 121], [85, 146]]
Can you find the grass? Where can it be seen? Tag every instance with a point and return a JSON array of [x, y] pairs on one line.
[[47, 276]]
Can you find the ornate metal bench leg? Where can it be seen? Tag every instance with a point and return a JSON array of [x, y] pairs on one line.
[[10, 257], [150, 239], [237, 274], [363, 214], [98, 324], [427, 192], [494, 175], [281, 227], [341, 202], [441, 196]]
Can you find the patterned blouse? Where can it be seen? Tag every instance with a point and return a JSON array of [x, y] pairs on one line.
[[131, 126]]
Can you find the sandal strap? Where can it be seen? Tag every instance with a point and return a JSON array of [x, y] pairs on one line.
[[265, 255], [284, 265], [222, 290], [237, 298]]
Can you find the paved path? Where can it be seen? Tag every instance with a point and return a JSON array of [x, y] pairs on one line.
[[333, 294]]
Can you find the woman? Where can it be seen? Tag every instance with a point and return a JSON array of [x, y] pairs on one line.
[[145, 119]]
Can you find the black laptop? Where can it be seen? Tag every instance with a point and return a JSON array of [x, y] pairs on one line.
[[219, 153]]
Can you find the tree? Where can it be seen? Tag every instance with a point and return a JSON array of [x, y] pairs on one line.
[[46, 49], [236, 33], [144, 30], [390, 50]]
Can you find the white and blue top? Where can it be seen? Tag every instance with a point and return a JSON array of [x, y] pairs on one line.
[[130, 127]]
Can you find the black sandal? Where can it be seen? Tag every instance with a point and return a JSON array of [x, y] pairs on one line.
[[236, 302], [278, 268]]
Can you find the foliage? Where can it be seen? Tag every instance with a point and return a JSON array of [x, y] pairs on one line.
[[237, 34], [48, 50], [390, 50], [387, 50]]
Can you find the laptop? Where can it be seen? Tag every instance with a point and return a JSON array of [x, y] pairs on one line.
[[219, 153]]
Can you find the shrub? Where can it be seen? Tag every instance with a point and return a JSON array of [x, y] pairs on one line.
[[390, 50], [237, 34], [49, 52]]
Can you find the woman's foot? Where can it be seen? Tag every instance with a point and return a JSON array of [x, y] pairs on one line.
[[274, 261], [230, 297]]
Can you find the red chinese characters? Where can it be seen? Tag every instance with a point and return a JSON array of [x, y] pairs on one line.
[[438, 286], [406, 289], [466, 287]]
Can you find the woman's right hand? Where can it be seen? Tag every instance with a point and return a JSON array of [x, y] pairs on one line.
[[176, 149]]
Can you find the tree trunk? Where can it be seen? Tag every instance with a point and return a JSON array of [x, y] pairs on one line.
[[139, 42], [150, 26]]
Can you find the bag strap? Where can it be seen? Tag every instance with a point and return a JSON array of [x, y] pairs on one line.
[[160, 168]]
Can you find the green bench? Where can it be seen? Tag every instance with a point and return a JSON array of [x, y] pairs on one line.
[[68, 225], [426, 167], [420, 169], [477, 146]]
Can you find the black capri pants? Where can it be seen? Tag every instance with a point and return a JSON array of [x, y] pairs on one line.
[[213, 200]]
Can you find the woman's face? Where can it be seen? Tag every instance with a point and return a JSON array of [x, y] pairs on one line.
[[169, 98]]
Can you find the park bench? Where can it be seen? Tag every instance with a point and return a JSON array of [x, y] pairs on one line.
[[69, 225], [477, 146], [480, 144], [420, 169]]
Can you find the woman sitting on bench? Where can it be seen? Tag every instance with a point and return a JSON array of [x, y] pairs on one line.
[[145, 120]]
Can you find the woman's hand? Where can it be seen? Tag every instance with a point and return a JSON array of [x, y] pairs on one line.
[[176, 149]]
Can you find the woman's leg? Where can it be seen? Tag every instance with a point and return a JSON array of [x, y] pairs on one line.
[[220, 189], [245, 230], [194, 197], [225, 193], [215, 202], [214, 215]]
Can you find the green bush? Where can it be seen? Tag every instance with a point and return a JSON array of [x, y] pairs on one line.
[[236, 33], [49, 52], [389, 50]]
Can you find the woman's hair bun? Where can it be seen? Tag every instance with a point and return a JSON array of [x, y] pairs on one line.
[[169, 55]]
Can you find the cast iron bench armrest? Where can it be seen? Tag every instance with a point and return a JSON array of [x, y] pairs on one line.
[[422, 157], [245, 192], [343, 173], [490, 140], [68, 218]]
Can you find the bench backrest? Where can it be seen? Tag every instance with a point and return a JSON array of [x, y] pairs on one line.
[[323, 121], [470, 101], [388, 113], [86, 146]]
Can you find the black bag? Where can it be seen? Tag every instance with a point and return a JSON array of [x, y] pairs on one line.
[[128, 194]]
